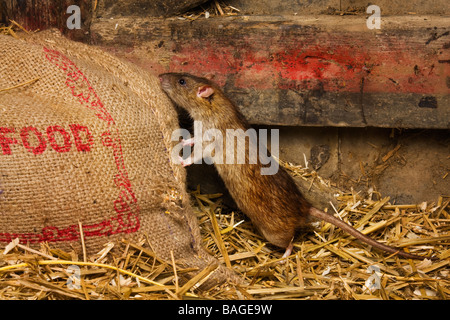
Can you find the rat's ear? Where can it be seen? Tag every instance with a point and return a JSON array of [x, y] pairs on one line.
[[205, 91]]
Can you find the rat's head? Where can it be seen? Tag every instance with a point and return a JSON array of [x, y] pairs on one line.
[[188, 91]]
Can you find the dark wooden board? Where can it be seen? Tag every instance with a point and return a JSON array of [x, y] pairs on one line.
[[146, 7], [325, 71], [39, 15]]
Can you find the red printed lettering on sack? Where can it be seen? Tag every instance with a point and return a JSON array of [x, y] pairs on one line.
[[37, 141], [6, 141]]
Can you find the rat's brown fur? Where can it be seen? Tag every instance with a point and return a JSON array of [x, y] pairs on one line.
[[273, 202]]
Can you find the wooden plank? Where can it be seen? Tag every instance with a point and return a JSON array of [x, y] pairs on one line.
[[339, 7], [146, 7], [324, 71]]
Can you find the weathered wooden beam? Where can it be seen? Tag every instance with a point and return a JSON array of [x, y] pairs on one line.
[[309, 71], [339, 7], [146, 7]]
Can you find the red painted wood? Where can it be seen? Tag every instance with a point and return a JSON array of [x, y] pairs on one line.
[[334, 62], [330, 71]]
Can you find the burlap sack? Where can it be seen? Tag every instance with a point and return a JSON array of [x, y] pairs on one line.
[[89, 142]]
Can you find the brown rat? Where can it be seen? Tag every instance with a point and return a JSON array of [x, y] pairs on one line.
[[272, 201]]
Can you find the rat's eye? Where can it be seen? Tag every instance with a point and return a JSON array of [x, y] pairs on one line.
[[182, 82]]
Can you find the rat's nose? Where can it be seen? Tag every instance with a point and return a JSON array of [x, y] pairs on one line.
[[162, 77]]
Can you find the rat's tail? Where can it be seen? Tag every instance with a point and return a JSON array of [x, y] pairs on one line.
[[352, 231]]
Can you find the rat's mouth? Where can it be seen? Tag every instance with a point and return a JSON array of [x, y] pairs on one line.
[[165, 86]]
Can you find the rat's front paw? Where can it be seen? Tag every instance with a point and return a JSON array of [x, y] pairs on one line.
[[185, 162]]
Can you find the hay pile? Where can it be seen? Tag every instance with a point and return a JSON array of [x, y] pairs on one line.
[[326, 263]]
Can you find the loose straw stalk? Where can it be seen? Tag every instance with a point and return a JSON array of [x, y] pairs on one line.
[[79, 263], [20, 85]]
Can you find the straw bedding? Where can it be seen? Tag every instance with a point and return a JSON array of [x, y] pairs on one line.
[[325, 264]]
